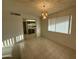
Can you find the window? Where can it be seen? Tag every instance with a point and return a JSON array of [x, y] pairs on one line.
[[51, 25], [60, 24]]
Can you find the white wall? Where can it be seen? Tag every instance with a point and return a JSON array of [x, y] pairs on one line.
[[66, 40], [38, 28], [12, 26]]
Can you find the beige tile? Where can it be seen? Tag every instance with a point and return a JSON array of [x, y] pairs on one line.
[[40, 48]]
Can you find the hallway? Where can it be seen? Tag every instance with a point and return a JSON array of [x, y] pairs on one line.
[[41, 48]]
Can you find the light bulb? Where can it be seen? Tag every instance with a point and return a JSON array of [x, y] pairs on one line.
[[44, 17]]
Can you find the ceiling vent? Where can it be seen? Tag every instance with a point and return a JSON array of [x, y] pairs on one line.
[[17, 14]]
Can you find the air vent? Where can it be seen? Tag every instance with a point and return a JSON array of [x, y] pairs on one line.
[[12, 13]]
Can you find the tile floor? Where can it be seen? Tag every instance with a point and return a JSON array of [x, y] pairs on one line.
[[40, 48]]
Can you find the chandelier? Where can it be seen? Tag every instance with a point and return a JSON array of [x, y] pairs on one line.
[[44, 13]]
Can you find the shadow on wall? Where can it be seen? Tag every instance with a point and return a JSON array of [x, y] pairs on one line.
[[10, 41]]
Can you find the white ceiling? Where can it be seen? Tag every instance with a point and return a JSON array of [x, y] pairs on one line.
[[31, 7]]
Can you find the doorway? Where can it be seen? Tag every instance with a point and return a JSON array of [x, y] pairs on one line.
[[29, 29]]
